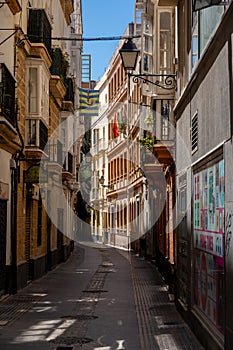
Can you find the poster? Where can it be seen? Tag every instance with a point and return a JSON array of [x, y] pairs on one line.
[[209, 242]]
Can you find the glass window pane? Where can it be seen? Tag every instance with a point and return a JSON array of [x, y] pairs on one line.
[[209, 19], [33, 93], [31, 132]]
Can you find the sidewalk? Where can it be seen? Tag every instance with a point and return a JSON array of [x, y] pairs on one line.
[[160, 324], [100, 299]]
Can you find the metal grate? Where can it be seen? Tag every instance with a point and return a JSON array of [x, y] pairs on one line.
[[80, 317], [194, 132], [71, 340]]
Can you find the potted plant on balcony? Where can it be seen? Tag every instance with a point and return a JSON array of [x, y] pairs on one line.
[[147, 141], [122, 124]]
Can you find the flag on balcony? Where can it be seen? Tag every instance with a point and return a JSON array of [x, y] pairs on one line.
[[89, 102], [115, 128]]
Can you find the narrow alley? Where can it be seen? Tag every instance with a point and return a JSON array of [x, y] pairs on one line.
[[100, 299]]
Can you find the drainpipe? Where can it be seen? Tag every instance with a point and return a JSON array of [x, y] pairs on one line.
[[14, 182]]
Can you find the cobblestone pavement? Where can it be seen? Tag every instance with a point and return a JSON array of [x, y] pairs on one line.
[[100, 299]]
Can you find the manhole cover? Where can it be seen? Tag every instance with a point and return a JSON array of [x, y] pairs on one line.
[[140, 267], [95, 291], [80, 317], [70, 341]]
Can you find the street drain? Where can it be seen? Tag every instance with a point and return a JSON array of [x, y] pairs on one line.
[[70, 341], [174, 323], [80, 317], [95, 291], [106, 271], [64, 348]]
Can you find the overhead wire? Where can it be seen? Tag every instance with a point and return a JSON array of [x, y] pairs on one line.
[[120, 37]]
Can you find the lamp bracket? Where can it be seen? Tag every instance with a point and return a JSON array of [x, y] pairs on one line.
[[110, 187], [168, 81]]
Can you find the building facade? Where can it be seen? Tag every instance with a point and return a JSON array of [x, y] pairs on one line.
[[99, 147], [39, 235], [204, 170]]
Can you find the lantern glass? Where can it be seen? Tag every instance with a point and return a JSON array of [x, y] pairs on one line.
[[129, 54]]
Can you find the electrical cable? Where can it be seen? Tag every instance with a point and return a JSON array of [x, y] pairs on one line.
[[75, 38]]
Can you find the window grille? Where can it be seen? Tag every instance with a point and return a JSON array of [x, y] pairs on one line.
[[194, 133], [7, 95], [39, 28]]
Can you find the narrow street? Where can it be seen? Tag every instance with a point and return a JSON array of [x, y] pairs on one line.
[[100, 299]]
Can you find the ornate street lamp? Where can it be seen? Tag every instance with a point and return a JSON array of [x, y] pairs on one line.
[[129, 54], [201, 4], [101, 181]]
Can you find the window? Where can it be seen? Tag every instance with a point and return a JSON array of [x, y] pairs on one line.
[[38, 90], [194, 50], [165, 111], [165, 43], [33, 90], [96, 136], [208, 20], [203, 27], [36, 133], [139, 10], [31, 132], [147, 44]]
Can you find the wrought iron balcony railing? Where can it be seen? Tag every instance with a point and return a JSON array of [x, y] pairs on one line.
[[7, 95], [39, 28]]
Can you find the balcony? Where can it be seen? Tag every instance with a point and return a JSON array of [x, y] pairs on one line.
[[7, 95], [164, 151], [69, 90], [9, 139], [60, 64], [36, 138], [39, 28], [67, 171], [59, 68], [55, 162]]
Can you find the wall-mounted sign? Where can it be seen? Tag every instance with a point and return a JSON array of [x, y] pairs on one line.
[[35, 174]]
